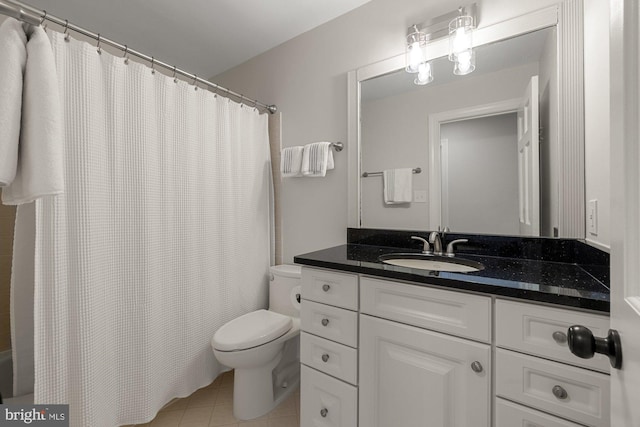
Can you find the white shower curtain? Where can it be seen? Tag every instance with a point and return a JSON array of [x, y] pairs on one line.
[[162, 236]]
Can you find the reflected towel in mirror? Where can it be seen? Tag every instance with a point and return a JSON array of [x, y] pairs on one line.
[[397, 186]]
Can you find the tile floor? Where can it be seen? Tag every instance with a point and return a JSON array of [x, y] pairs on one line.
[[211, 406]]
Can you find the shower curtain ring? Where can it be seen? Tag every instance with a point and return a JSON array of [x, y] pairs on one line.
[[153, 70], [175, 79], [98, 46], [124, 55], [241, 100], [66, 30], [195, 80], [44, 17]]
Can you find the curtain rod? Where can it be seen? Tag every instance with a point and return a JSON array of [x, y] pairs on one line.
[[34, 16]]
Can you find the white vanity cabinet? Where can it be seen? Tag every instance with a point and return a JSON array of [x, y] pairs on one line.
[[379, 353], [534, 367], [413, 376], [328, 349]]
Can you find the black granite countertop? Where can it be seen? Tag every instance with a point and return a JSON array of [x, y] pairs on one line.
[[563, 283]]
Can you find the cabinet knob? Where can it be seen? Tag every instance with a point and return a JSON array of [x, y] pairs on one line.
[[559, 337], [559, 392], [324, 412], [583, 344], [325, 357], [326, 287], [325, 322], [476, 367]]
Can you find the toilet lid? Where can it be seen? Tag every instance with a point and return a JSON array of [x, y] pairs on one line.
[[251, 330]]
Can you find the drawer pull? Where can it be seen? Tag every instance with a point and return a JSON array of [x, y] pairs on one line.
[[476, 367], [325, 322], [559, 337], [325, 357], [326, 287], [324, 412], [559, 392]]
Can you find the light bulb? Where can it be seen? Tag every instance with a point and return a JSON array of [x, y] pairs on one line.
[[465, 63], [414, 57], [425, 74]]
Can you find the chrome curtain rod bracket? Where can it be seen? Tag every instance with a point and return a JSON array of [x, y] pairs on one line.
[[33, 16], [368, 174]]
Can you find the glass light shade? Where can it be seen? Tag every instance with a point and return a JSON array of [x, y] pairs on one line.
[[416, 50], [465, 62], [460, 36], [425, 74]]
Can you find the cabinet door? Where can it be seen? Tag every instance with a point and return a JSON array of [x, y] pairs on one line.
[[415, 377]]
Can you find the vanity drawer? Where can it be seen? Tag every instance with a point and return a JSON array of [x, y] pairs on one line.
[[509, 414], [329, 322], [325, 401], [532, 381], [542, 331], [327, 356], [328, 287], [454, 313]]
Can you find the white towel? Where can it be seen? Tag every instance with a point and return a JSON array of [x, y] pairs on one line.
[[40, 170], [291, 161], [397, 186], [317, 159], [13, 57]]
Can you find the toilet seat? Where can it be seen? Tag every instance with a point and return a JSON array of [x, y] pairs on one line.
[[251, 330]]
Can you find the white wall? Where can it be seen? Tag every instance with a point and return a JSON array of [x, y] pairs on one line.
[[306, 78], [597, 124], [395, 134], [481, 178]]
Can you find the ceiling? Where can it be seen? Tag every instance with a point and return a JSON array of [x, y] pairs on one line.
[[205, 37]]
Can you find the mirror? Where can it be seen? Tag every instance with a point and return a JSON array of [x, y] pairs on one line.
[[486, 174]]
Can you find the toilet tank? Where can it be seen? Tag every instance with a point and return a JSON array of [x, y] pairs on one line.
[[284, 285]]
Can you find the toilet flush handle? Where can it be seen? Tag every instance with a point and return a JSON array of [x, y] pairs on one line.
[[326, 287]]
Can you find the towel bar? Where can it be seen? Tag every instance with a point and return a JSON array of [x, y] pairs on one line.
[[368, 174]]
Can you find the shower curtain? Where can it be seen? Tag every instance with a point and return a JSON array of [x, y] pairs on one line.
[[162, 236]]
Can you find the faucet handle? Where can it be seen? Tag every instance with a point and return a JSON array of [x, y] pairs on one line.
[[450, 246], [426, 249]]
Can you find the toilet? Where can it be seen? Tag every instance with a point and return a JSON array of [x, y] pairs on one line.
[[264, 347]]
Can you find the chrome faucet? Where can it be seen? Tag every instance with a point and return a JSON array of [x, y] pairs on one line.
[[436, 241]]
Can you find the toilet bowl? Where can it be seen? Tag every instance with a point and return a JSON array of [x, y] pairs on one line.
[[263, 347]]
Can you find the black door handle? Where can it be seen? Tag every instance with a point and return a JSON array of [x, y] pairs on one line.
[[583, 344]]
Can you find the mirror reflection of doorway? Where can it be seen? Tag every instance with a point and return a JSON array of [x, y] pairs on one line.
[[479, 161]]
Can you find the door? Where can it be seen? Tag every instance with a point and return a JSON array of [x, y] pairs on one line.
[[413, 377], [625, 209], [529, 161]]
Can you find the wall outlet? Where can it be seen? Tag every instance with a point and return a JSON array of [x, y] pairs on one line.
[[420, 196], [592, 217]]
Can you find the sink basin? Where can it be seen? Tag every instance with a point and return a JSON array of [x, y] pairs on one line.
[[431, 262]]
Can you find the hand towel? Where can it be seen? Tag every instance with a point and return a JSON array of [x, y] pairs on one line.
[[40, 170], [13, 57], [397, 186], [317, 159], [291, 161]]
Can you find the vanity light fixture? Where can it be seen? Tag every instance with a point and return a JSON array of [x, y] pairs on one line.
[[416, 50], [461, 43], [458, 25]]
